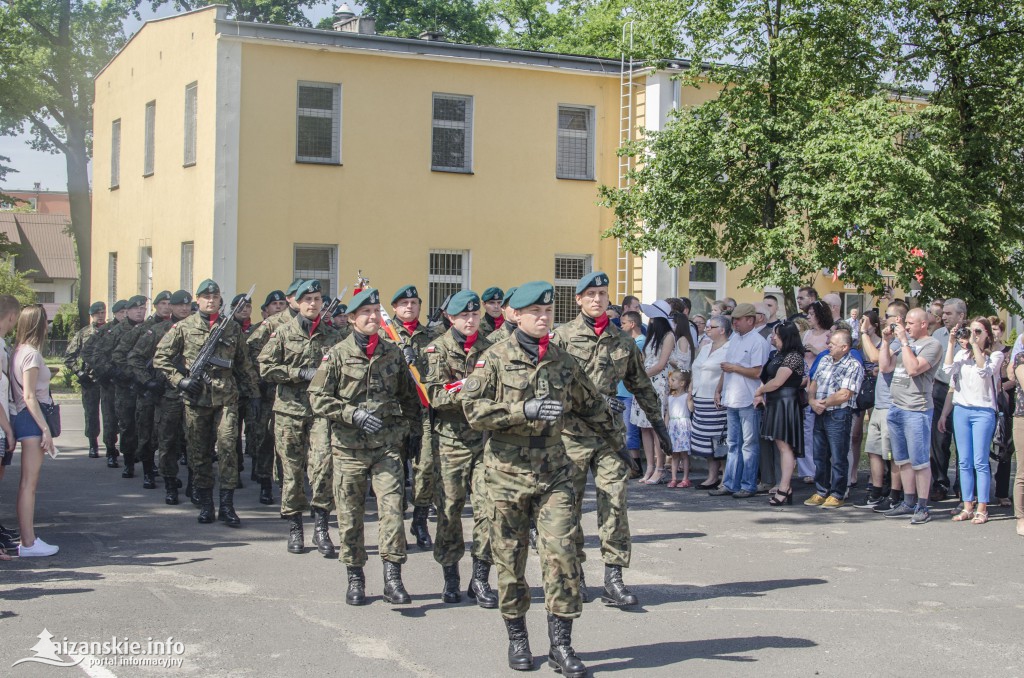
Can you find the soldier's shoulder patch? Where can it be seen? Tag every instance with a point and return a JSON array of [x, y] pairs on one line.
[[325, 358], [479, 363], [273, 334], [430, 349], [472, 384]]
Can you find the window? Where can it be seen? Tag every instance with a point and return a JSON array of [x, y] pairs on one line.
[[115, 153], [318, 123], [111, 281], [852, 300], [569, 268], [191, 111], [452, 148], [575, 143], [706, 285], [146, 271], [318, 262], [187, 254], [44, 297], [447, 273], [147, 164]]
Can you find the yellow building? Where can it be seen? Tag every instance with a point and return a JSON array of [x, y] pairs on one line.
[[255, 153]]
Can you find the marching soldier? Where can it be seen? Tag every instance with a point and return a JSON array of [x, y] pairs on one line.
[[452, 357], [508, 327], [243, 316], [418, 449], [145, 402], [168, 408], [211, 400], [108, 395], [340, 320], [364, 388], [289, 361], [607, 356], [493, 318], [91, 390], [519, 391]]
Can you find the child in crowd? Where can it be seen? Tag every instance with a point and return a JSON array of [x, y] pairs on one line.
[[679, 406]]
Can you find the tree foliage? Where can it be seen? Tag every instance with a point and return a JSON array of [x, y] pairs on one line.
[[286, 12], [14, 282], [458, 20]]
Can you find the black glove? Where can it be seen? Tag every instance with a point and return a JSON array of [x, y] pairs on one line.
[[191, 386], [84, 378], [367, 421], [254, 408], [543, 409], [615, 405], [154, 386], [413, 444], [410, 355], [661, 431], [307, 373]]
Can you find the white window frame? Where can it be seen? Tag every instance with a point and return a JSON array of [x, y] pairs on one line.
[[335, 116], [432, 278], [467, 125], [111, 281], [718, 287], [188, 258], [329, 286], [591, 135], [115, 154], [566, 285], [149, 152], [191, 123], [146, 270]]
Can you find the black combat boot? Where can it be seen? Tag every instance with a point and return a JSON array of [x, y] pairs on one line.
[[584, 593], [148, 476], [296, 539], [94, 448], [419, 527], [266, 491], [239, 483], [112, 459], [129, 469], [479, 588], [520, 658], [356, 594], [190, 491], [322, 533], [205, 499], [183, 459], [394, 589], [227, 509], [561, 657], [171, 487], [452, 582], [615, 592]]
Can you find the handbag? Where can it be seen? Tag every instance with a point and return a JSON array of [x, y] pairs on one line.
[[866, 396], [51, 412]]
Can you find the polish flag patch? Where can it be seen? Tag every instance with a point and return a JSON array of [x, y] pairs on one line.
[[429, 349], [479, 363]]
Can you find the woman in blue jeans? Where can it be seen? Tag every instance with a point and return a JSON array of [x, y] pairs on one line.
[[974, 370]]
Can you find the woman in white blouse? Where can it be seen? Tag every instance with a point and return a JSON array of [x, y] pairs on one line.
[[974, 385]]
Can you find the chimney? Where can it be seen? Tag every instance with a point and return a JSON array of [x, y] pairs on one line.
[[347, 21], [432, 36]]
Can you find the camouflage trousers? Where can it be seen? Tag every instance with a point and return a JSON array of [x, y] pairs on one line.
[[259, 442], [124, 405], [91, 395], [145, 415], [207, 428], [383, 467], [548, 498], [169, 421], [610, 476], [304, 445], [108, 399], [460, 467], [424, 480]]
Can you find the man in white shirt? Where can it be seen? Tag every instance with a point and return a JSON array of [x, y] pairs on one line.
[[741, 371]]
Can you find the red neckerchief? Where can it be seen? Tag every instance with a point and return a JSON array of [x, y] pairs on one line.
[[101, 323], [600, 324], [411, 325], [371, 345], [470, 340], [245, 325], [213, 319], [315, 324], [498, 322], [542, 344]]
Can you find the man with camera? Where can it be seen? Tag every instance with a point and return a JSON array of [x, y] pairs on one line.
[[954, 312]]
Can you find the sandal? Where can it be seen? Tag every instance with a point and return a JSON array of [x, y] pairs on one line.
[[963, 516], [787, 498], [684, 484], [980, 518], [660, 474], [673, 483]]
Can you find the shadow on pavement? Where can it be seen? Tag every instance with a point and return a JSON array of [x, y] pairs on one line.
[[639, 657]]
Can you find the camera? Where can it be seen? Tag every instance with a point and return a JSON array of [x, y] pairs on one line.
[[963, 333], [892, 327]]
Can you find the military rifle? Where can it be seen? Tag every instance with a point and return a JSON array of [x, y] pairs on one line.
[[206, 357]]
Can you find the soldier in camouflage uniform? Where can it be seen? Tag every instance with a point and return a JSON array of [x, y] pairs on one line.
[[340, 321], [108, 394], [418, 448], [520, 393], [243, 316], [168, 408], [363, 386], [452, 357], [289, 360], [90, 388], [509, 326], [493, 317], [211, 400], [607, 355]]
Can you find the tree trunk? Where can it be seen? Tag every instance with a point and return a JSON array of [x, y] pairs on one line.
[[81, 210]]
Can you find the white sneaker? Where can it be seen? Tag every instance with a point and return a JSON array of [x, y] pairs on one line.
[[40, 549]]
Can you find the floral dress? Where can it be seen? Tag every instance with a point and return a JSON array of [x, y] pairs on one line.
[[660, 383]]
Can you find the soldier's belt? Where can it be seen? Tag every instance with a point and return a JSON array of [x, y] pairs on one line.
[[527, 441]]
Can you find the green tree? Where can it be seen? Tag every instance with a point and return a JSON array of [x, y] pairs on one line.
[[286, 12], [6, 200], [14, 282], [457, 20]]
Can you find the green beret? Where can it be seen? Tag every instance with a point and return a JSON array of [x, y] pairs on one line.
[[595, 279], [163, 296], [135, 302], [538, 292], [181, 297], [327, 300], [365, 298], [407, 292], [340, 309], [508, 296], [238, 298], [466, 300], [276, 295], [307, 287], [119, 305], [294, 286], [97, 307], [207, 287], [492, 294]]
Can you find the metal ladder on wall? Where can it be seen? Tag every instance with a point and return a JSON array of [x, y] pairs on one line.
[[626, 105]]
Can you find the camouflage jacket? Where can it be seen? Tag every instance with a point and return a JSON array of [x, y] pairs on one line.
[[449, 363], [260, 333], [73, 354], [89, 345], [502, 333], [347, 381], [140, 358], [418, 340], [494, 395], [487, 325], [184, 339], [290, 349], [126, 343], [103, 363], [607, 360]]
